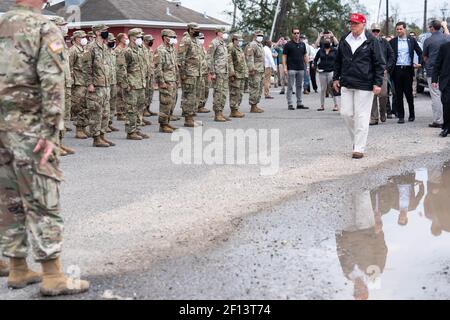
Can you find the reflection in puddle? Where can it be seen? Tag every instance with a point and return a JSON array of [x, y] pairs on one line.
[[397, 235]]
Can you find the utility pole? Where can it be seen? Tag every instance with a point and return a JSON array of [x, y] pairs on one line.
[[387, 17], [277, 10], [425, 22]]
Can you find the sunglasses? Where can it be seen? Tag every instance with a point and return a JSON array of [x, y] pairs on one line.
[[376, 31], [296, 33]]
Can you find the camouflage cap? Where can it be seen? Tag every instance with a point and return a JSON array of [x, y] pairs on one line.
[[59, 21], [135, 32], [111, 37], [193, 25], [375, 26], [148, 37], [168, 33], [220, 29], [237, 36], [259, 33], [79, 34], [91, 34], [100, 27]]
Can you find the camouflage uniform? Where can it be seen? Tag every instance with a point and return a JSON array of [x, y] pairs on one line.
[[121, 105], [255, 62], [203, 90], [134, 78], [166, 73], [99, 74], [218, 64], [31, 107], [78, 66], [113, 91], [150, 58], [238, 70], [189, 52]]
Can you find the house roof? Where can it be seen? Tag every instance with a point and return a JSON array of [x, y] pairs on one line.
[[138, 12], [5, 5]]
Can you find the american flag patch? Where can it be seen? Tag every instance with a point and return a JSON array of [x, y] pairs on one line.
[[56, 46]]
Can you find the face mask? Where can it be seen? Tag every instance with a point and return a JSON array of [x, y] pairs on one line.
[[112, 45], [327, 45], [241, 43], [150, 43], [83, 42], [225, 36], [138, 42], [259, 38], [196, 33], [201, 41], [127, 42], [173, 41], [104, 35]]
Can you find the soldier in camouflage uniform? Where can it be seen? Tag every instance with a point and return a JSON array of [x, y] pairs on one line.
[[238, 74], [113, 90], [31, 117], [218, 69], [148, 44], [255, 63], [189, 65], [121, 105], [99, 81], [133, 77], [166, 74], [203, 90], [62, 24], [78, 69]]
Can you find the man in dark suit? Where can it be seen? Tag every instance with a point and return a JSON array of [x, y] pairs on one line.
[[441, 75], [404, 47]]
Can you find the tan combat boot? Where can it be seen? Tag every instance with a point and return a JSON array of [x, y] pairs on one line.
[[203, 110], [189, 122], [236, 114], [142, 135], [68, 150], [219, 117], [174, 118], [19, 274], [153, 114], [133, 136], [255, 109], [146, 122], [62, 152], [4, 269], [112, 128], [164, 128], [99, 143], [111, 144], [147, 113], [55, 283], [121, 117], [172, 127], [80, 133]]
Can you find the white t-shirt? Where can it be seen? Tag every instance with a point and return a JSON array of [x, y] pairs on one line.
[[268, 58], [357, 42]]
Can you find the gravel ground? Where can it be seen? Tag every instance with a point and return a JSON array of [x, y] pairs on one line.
[[142, 226]]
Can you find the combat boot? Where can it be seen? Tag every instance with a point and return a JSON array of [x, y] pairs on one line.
[[146, 122], [111, 144], [142, 135], [254, 109], [121, 117], [4, 269], [236, 114], [62, 152], [172, 127], [20, 275], [133, 136], [203, 110], [147, 113], [164, 128], [174, 118], [99, 143], [153, 114], [80, 133], [219, 117], [68, 150], [113, 129], [55, 283], [108, 130], [189, 122]]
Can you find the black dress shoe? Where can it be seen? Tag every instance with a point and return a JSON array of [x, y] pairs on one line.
[[291, 108], [435, 125], [282, 92], [411, 119], [445, 133], [401, 121], [302, 107]]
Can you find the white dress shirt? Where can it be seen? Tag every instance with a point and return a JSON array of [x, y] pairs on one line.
[[268, 59], [356, 42]]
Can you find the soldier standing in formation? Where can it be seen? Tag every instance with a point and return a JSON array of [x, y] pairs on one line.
[[238, 74], [255, 63], [218, 69], [113, 91], [121, 106], [99, 82], [203, 89], [31, 118], [166, 75], [148, 44], [189, 65]]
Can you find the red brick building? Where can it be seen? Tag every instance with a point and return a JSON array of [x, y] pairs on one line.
[[150, 15]]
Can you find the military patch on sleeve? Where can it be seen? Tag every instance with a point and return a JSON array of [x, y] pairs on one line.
[[56, 46]]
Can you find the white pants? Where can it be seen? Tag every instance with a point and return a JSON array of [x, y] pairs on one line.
[[355, 110], [436, 103]]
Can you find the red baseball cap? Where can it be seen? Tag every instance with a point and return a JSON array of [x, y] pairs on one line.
[[358, 18]]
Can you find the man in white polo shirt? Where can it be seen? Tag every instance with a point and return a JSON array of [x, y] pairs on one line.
[[359, 71]]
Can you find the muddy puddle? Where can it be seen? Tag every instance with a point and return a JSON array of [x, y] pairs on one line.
[[396, 238]]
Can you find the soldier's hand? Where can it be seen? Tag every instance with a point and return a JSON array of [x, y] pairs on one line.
[[376, 90], [91, 88], [336, 85], [46, 147]]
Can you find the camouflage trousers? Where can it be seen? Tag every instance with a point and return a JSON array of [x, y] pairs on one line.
[[236, 93], [99, 109], [189, 88], [80, 112], [167, 102], [220, 85], [113, 103], [67, 110], [203, 91], [255, 85], [29, 200], [136, 102], [150, 91]]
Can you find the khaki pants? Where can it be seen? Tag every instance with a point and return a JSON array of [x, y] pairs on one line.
[[379, 105], [267, 81]]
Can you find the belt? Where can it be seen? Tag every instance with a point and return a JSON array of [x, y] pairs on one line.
[[403, 67]]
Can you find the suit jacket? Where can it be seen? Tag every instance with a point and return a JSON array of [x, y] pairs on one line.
[[441, 70], [413, 47]]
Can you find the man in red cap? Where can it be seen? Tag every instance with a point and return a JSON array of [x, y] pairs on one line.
[[359, 71]]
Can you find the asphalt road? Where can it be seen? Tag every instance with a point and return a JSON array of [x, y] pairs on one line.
[[144, 227]]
